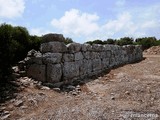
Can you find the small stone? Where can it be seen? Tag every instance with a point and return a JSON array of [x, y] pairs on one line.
[[78, 88], [24, 107], [10, 107], [2, 108], [73, 110], [45, 88], [74, 93], [22, 87], [57, 85], [127, 92], [70, 87], [38, 86], [78, 91], [6, 112], [5, 116], [33, 101], [112, 98], [112, 93], [57, 89], [18, 103], [41, 93]]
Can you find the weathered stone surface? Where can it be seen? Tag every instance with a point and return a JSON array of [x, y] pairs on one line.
[[68, 57], [89, 47], [109, 53], [54, 73], [37, 72], [95, 55], [97, 47], [112, 62], [53, 47], [33, 53], [79, 56], [97, 64], [82, 67], [35, 60], [84, 48], [107, 47], [74, 47], [61, 63], [103, 55], [52, 58], [70, 70], [105, 63], [18, 103], [53, 37], [87, 55]]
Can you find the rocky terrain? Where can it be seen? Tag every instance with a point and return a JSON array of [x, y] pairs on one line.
[[155, 50], [129, 92]]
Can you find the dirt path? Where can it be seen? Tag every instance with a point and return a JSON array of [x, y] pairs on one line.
[[126, 93]]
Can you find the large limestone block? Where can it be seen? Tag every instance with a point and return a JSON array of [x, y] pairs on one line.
[[112, 62], [89, 47], [70, 70], [88, 66], [79, 56], [84, 47], [52, 58], [138, 52], [97, 64], [53, 47], [109, 53], [87, 55], [103, 55], [74, 47], [83, 69], [105, 63], [68, 57], [97, 47], [95, 55], [37, 72], [54, 73], [53, 37]]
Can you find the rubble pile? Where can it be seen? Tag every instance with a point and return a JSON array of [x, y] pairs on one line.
[[155, 50]]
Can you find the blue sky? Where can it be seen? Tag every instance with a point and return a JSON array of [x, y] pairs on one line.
[[84, 20]]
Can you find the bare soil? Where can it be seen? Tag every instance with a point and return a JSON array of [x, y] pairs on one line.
[[130, 92]]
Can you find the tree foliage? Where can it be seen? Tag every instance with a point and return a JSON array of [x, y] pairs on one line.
[[125, 41], [95, 42], [5, 51], [68, 40], [110, 41], [15, 42], [147, 42]]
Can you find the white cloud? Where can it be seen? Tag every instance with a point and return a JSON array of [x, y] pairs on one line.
[[39, 31], [133, 23], [123, 21], [11, 8], [77, 23]]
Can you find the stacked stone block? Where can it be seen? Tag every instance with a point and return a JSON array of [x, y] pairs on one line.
[[60, 62]]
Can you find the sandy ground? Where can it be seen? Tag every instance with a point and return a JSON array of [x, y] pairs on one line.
[[130, 92]]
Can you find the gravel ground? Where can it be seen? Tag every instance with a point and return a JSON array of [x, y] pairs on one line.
[[130, 92]]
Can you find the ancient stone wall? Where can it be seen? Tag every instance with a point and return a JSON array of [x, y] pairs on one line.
[[58, 62]]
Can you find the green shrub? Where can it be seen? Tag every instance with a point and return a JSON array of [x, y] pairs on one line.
[[146, 42], [15, 42], [6, 55]]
